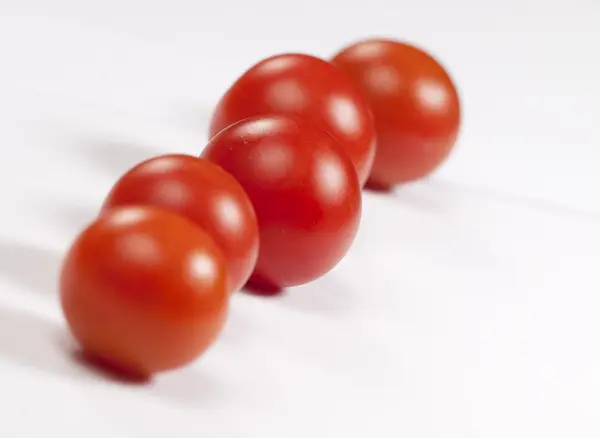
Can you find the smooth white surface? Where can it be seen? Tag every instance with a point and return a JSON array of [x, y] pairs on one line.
[[469, 304]]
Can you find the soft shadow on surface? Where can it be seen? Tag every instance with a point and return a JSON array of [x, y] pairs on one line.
[[189, 386], [326, 296], [514, 199], [33, 267], [323, 296], [116, 157], [32, 341], [29, 340], [410, 196], [182, 386], [70, 217], [193, 117]]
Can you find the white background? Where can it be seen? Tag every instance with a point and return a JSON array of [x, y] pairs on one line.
[[469, 305]]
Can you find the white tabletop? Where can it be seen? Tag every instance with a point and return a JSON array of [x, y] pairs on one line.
[[468, 306]]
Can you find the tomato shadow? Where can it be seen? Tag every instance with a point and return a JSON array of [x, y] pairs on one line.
[[116, 157], [193, 117], [184, 385], [262, 290], [414, 197], [71, 218], [373, 187], [107, 370], [32, 267], [326, 296], [190, 386], [34, 342], [513, 199], [304, 335], [74, 217]]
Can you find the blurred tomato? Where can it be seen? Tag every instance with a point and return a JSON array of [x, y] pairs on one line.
[[204, 193], [309, 88], [304, 190], [144, 290], [415, 106]]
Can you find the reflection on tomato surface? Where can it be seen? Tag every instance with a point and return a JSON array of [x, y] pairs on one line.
[[415, 105], [308, 88], [304, 190], [144, 290], [202, 192]]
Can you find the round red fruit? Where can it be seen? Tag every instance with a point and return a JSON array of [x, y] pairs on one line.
[[304, 190], [309, 88], [144, 290], [202, 192], [415, 106]]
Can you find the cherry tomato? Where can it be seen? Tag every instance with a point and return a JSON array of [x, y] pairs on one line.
[[415, 105], [304, 190], [144, 290], [309, 88], [204, 193]]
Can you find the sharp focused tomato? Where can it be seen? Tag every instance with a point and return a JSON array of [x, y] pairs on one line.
[[204, 193], [415, 106], [144, 290], [309, 88], [304, 190]]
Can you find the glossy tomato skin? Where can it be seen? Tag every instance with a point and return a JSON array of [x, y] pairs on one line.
[[415, 106], [304, 190], [144, 290], [309, 88], [202, 192]]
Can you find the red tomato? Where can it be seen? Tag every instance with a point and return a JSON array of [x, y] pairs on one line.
[[144, 290], [202, 192], [304, 190], [309, 88], [415, 105]]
